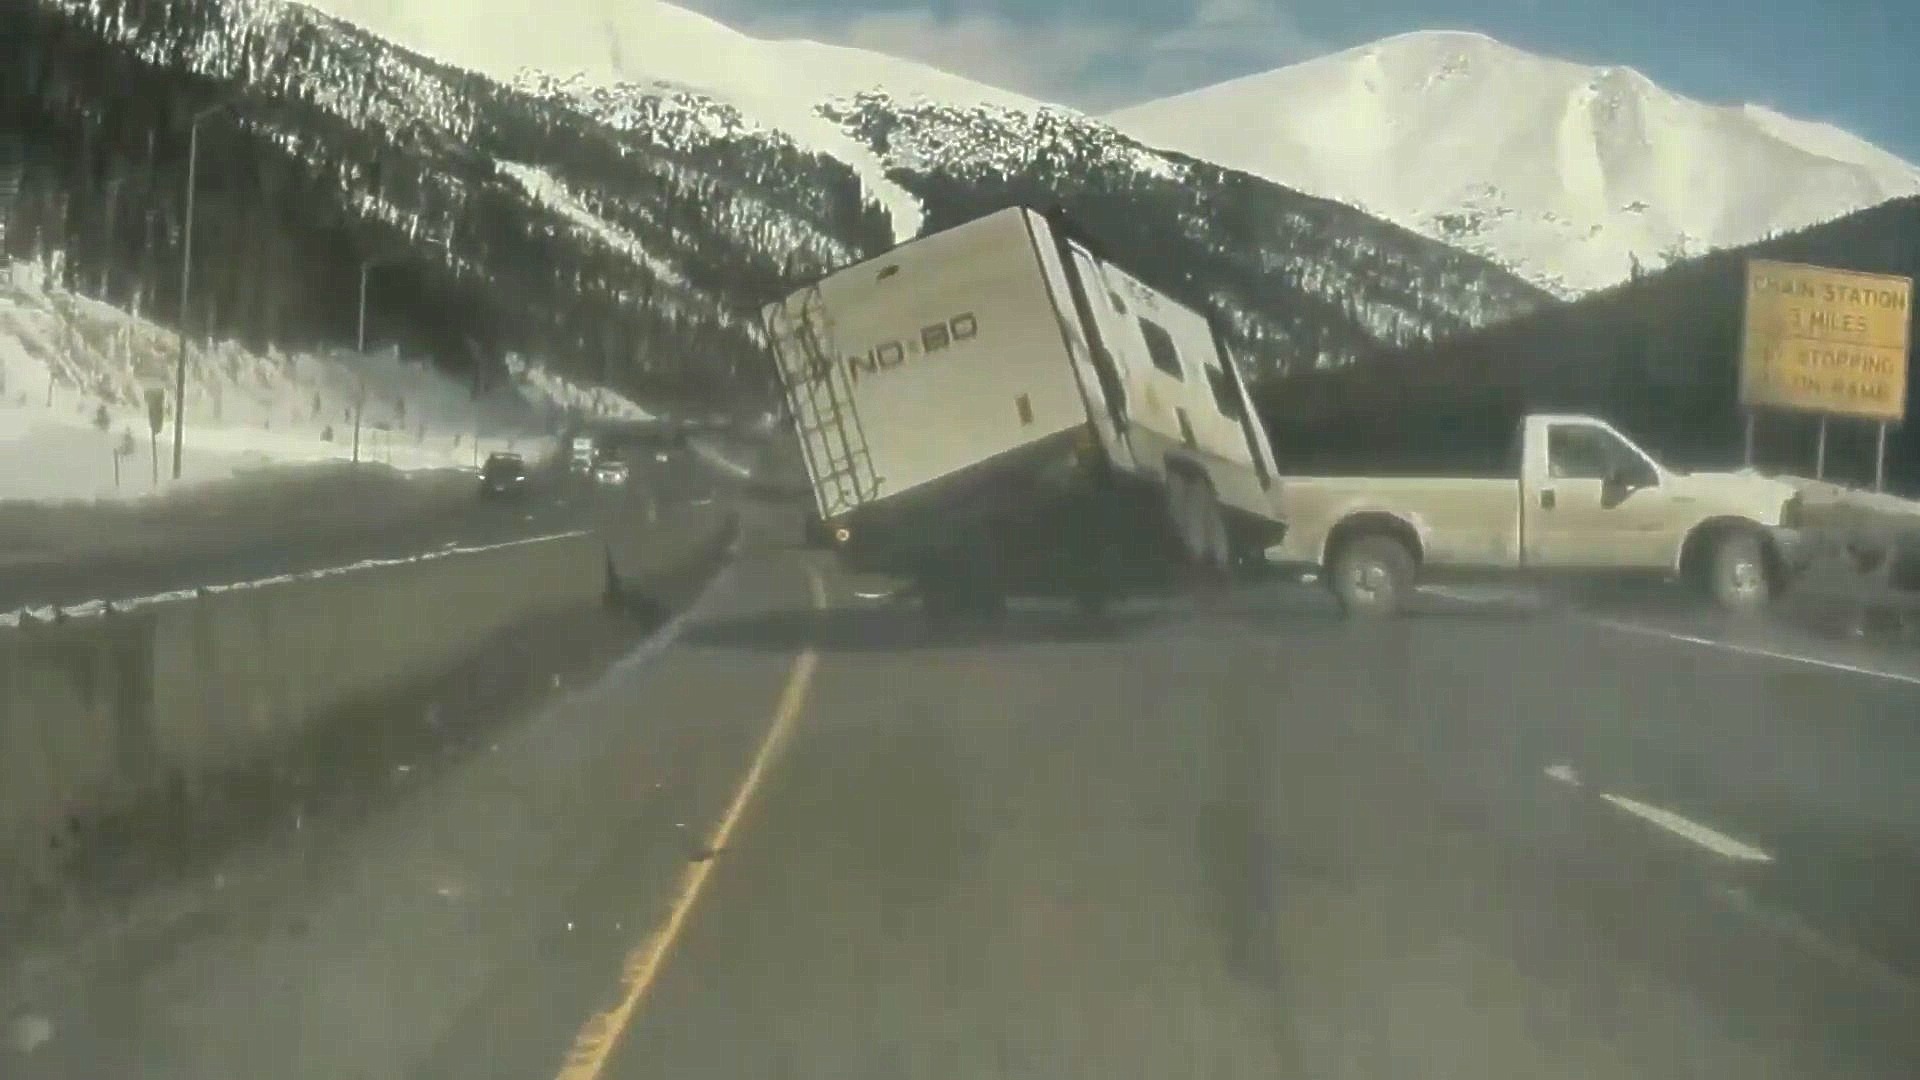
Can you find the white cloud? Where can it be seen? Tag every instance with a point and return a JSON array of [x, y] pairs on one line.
[[1090, 63]]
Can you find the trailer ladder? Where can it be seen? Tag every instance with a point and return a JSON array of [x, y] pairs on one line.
[[819, 396]]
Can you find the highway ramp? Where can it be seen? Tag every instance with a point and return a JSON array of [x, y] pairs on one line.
[[798, 835]]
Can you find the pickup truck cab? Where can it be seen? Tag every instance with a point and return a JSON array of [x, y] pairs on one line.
[[1580, 499]]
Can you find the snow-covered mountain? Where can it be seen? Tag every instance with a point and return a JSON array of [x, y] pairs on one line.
[[617, 186], [1308, 282], [646, 49], [1567, 173]]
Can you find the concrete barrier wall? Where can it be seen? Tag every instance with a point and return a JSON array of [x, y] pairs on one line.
[[100, 712], [70, 737]]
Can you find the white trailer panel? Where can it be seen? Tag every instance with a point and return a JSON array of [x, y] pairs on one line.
[[940, 355], [1183, 398]]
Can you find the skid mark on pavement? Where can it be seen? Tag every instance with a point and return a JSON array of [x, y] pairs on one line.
[[1757, 651], [1799, 933], [595, 1043]]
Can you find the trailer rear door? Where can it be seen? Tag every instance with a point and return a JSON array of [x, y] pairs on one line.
[[943, 354]]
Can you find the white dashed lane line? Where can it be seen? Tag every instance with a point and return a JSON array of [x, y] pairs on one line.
[[1686, 828], [1712, 839], [1757, 651]]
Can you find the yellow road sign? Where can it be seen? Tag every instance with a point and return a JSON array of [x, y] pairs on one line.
[[1826, 341]]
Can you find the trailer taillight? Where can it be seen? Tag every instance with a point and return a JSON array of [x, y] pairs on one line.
[[842, 534]]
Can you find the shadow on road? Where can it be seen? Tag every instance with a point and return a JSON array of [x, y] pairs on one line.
[[900, 629], [899, 625]]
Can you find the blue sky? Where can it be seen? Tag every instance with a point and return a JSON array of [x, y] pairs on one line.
[[1855, 63]]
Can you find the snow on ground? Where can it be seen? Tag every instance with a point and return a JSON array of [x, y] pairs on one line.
[[720, 458], [548, 189], [548, 392], [73, 417]]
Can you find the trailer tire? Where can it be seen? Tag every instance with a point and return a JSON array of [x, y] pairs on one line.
[[1372, 576], [1210, 529], [961, 584], [1199, 523], [1176, 493]]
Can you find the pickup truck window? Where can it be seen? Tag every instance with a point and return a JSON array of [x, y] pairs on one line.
[[1585, 452], [1160, 347]]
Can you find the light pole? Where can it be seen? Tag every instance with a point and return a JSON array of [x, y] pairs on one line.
[[113, 217], [186, 279]]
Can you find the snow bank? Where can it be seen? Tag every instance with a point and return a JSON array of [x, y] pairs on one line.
[[74, 374]]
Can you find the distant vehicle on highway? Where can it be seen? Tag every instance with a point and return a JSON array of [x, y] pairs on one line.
[[610, 470], [583, 451], [503, 476]]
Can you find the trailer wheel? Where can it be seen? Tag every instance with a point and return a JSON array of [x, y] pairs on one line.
[[1372, 576], [1198, 521], [1211, 546], [962, 583], [1176, 490]]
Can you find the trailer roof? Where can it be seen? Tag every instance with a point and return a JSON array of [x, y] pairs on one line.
[[1056, 216]]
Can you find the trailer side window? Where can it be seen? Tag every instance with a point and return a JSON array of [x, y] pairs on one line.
[[1160, 347], [1225, 396]]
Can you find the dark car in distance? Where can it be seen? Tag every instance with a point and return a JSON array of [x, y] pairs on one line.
[[503, 476]]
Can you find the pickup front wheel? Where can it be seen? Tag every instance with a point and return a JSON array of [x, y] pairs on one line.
[[1737, 574], [1372, 576]]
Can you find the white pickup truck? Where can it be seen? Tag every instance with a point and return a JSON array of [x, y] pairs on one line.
[[1579, 499]]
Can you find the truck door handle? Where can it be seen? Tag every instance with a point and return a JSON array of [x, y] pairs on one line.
[[1546, 498]]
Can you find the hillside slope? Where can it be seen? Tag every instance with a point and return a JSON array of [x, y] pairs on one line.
[[1568, 173], [621, 225], [666, 52], [501, 222], [73, 417], [1300, 282]]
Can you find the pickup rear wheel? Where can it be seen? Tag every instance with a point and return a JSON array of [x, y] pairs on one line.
[[1737, 573], [1372, 576]]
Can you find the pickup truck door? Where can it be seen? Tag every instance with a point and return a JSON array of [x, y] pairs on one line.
[[1574, 520]]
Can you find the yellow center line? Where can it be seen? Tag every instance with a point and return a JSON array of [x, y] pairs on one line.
[[598, 1037]]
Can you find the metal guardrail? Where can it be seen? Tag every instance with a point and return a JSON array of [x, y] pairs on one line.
[[1859, 569]]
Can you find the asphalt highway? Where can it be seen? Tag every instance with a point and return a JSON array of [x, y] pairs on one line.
[[299, 524], [799, 835]]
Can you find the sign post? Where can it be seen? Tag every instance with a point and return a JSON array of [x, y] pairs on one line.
[[156, 419], [1880, 459], [1829, 342]]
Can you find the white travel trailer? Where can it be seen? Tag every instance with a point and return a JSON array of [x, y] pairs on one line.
[[1001, 388]]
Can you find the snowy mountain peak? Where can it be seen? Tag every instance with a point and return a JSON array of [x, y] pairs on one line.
[[1571, 174], [610, 42]]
